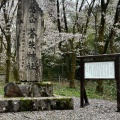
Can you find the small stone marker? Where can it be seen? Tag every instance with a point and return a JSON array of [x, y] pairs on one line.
[[29, 36]]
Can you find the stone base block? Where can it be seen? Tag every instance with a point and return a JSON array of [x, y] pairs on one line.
[[36, 89], [28, 89], [35, 104]]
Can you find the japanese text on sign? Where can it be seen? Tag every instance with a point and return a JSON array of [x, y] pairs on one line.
[[100, 70]]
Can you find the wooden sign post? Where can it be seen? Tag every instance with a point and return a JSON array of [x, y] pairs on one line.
[[104, 67]]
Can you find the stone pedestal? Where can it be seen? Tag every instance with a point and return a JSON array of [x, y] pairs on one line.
[[36, 89], [35, 104], [28, 89], [35, 96]]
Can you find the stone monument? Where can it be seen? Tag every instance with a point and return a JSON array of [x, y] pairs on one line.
[[30, 26], [36, 94]]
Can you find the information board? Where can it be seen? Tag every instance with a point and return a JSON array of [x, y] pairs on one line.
[[99, 70]]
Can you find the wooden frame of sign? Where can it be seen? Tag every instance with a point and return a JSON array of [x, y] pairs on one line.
[[99, 67]]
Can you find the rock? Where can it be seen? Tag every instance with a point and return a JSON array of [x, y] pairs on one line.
[[24, 89], [12, 90]]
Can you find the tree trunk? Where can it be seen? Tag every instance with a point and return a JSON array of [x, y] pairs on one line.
[[104, 5], [1, 43], [88, 16], [64, 15], [112, 32], [99, 87], [16, 73], [72, 71], [73, 65], [8, 53], [58, 16]]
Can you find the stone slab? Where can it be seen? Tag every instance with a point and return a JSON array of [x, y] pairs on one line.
[[20, 104]]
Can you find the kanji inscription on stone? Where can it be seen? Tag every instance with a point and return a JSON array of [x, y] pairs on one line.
[[29, 38]]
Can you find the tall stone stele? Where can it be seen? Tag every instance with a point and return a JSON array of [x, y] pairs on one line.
[[30, 26]]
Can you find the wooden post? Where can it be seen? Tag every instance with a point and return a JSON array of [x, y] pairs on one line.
[[117, 77], [81, 83], [83, 95]]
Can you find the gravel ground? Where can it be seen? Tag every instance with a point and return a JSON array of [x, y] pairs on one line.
[[97, 110]]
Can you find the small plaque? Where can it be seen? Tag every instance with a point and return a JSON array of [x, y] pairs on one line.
[[100, 70]]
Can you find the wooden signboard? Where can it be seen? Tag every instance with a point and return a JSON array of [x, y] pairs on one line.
[[99, 67], [100, 70], [29, 37]]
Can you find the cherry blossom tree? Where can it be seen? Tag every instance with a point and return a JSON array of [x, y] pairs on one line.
[[91, 19], [71, 28], [7, 26]]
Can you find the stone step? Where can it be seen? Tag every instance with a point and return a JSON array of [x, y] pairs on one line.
[[35, 104]]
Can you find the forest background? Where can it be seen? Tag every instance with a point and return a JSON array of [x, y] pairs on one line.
[[71, 28]]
